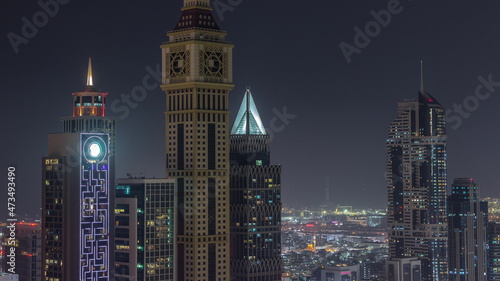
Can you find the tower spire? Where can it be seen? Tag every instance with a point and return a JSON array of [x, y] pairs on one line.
[[90, 82]]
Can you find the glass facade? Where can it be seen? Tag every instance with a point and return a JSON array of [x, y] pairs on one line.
[[416, 177], [144, 227], [255, 203]]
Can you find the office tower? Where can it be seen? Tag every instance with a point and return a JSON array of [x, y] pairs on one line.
[[89, 113], [255, 200], [144, 229], [28, 248], [197, 78], [494, 251], [77, 176], [404, 269], [467, 223], [416, 177]]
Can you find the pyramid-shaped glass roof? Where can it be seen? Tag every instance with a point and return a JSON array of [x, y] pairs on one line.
[[248, 116]]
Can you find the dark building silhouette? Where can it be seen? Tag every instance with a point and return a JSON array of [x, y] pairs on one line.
[[467, 224], [494, 251], [416, 175], [255, 200]]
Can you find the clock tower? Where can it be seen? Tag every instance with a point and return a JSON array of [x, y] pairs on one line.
[[197, 78]]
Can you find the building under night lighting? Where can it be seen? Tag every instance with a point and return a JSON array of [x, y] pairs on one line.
[[467, 223], [255, 200], [76, 193], [144, 229], [493, 251], [28, 251], [416, 178], [197, 79]]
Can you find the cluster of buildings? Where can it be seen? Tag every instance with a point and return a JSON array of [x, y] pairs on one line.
[[217, 214], [433, 236]]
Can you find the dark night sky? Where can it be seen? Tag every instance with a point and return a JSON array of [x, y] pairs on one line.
[[288, 52]]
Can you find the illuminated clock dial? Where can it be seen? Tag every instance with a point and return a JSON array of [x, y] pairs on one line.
[[95, 150]]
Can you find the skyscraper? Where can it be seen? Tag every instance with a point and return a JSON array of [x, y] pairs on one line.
[[28, 251], [416, 178], [255, 200], [76, 196], [467, 223], [144, 229], [197, 78], [494, 251]]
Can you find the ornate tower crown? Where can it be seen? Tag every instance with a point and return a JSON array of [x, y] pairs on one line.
[[196, 3]]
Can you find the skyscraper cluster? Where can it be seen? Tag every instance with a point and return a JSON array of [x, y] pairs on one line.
[[216, 216], [183, 227], [432, 236]]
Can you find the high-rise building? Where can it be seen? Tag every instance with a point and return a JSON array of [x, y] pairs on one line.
[[144, 229], [28, 249], [494, 251], [255, 200], [197, 79], [416, 178], [77, 176], [467, 224], [404, 269]]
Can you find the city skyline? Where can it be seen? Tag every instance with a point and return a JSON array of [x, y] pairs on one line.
[[55, 66]]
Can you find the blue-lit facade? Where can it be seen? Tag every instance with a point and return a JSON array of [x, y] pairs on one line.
[[77, 198], [76, 208], [467, 224], [416, 178], [255, 200]]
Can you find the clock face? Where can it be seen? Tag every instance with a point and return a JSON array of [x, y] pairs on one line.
[[213, 64], [177, 64], [94, 149]]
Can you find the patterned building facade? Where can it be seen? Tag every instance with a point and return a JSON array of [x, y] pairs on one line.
[[197, 79], [76, 196], [255, 200]]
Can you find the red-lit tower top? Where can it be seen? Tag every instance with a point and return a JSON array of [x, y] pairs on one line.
[[89, 102]]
